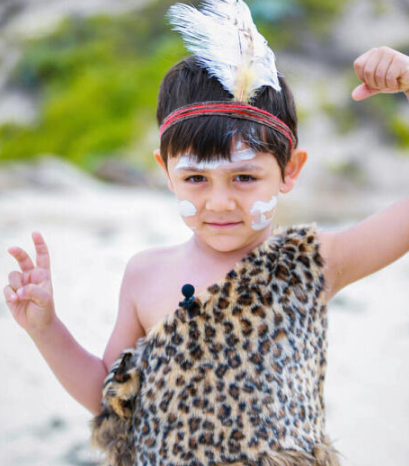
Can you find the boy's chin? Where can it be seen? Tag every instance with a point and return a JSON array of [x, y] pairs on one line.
[[225, 242]]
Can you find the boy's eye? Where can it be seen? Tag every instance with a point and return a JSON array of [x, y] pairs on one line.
[[195, 179], [199, 178], [246, 178]]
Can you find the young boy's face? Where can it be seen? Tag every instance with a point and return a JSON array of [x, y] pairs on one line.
[[229, 205]]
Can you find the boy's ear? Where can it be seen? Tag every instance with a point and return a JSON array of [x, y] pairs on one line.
[[293, 168], [159, 160]]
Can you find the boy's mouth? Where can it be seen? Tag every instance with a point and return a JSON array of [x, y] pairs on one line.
[[223, 225]]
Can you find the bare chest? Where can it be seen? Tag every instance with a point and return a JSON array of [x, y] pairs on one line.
[[154, 308], [161, 297]]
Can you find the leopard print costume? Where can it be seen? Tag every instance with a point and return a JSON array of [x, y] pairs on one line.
[[240, 382]]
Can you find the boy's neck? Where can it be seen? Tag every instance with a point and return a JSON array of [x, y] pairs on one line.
[[199, 249]]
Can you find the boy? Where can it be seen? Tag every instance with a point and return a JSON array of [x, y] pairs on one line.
[[231, 223]]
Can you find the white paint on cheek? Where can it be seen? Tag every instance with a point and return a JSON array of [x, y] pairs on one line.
[[186, 208], [260, 208]]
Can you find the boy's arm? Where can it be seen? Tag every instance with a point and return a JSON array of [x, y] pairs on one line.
[[383, 237], [128, 328], [365, 248], [29, 297], [81, 373]]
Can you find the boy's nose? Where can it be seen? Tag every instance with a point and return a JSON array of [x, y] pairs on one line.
[[220, 202]]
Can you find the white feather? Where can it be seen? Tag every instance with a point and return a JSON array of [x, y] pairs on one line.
[[226, 42]]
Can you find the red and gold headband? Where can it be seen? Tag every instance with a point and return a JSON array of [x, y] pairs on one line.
[[231, 110]]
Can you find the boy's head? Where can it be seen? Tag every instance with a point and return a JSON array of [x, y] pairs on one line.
[[214, 137], [226, 172], [228, 127]]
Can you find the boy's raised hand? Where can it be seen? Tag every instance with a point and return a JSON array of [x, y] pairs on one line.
[[381, 70], [29, 294]]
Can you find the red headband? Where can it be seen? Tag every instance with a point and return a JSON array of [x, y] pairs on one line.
[[232, 110]]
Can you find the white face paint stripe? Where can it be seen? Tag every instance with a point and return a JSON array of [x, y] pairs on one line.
[[184, 161], [189, 160], [260, 207], [245, 154], [186, 208]]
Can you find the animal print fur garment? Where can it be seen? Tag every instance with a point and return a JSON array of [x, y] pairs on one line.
[[240, 382]]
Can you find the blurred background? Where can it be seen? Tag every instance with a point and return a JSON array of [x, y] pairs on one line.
[[78, 88]]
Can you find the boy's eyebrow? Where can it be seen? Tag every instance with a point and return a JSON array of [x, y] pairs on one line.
[[247, 167]]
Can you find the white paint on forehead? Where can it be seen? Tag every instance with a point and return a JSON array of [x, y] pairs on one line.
[[260, 208], [190, 160], [186, 208]]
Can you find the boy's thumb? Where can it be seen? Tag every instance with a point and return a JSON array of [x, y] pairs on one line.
[[363, 91], [34, 293]]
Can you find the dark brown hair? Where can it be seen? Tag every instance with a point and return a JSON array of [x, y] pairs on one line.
[[210, 137]]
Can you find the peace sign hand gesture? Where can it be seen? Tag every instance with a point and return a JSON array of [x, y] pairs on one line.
[[29, 294]]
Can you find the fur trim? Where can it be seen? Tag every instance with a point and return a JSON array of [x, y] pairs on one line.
[[324, 454], [112, 428]]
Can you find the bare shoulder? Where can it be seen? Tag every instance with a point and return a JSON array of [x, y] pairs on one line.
[[327, 242], [128, 326], [147, 261], [151, 266]]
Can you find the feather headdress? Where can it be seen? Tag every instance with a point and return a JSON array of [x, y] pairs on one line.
[[226, 42]]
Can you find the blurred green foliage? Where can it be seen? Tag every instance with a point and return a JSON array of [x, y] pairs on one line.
[[285, 23], [348, 171], [384, 109], [342, 115], [399, 127], [96, 79]]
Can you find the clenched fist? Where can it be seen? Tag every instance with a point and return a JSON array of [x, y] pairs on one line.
[[381, 70]]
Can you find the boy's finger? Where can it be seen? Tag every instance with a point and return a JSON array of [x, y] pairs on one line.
[[391, 79], [404, 80], [15, 279], [363, 91], [9, 294], [22, 258], [360, 62], [382, 71], [369, 70], [43, 256], [34, 293]]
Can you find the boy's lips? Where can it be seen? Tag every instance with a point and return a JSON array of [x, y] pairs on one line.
[[222, 224]]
